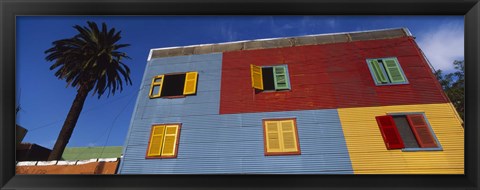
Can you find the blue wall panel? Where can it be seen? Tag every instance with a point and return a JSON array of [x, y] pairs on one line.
[[229, 143]]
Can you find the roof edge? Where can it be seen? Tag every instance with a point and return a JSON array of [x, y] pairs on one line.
[[266, 43]]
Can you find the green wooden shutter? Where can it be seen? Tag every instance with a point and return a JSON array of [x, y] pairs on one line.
[[377, 71], [393, 70], [281, 78]]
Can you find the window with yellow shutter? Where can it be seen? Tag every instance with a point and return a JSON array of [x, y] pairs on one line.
[[174, 85], [163, 142], [281, 137], [270, 78]]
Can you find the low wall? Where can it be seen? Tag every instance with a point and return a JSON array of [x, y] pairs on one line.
[[93, 166]]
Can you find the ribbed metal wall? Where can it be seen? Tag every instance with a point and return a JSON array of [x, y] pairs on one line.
[[222, 124], [229, 143], [234, 144], [328, 76], [367, 148]]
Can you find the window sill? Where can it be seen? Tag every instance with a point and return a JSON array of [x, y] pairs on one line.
[[270, 91], [169, 97], [173, 97], [391, 84], [282, 153], [421, 149], [160, 157]]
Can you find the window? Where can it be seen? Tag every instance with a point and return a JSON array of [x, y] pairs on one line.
[[174, 85], [386, 71], [270, 78], [280, 137], [409, 132], [163, 141]]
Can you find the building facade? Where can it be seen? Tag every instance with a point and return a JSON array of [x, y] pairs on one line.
[[345, 103]]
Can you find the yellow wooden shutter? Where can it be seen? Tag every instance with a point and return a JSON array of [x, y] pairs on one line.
[[170, 142], [257, 80], [156, 140], [288, 136], [273, 138], [190, 83], [157, 81]]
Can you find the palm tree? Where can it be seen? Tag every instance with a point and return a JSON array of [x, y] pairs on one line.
[[88, 61]]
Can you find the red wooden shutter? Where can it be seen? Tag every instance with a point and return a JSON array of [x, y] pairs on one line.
[[390, 133], [420, 129]]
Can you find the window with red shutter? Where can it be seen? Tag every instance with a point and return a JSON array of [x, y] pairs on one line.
[[390, 133], [421, 131], [409, 132]]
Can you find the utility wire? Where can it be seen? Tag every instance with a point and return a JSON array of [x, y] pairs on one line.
[[330, 56], [86, 111], [111, 127], [108, 129]]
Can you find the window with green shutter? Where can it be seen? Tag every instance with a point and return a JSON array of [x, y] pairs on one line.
[[270, 78], [281, 78], [386, 71]]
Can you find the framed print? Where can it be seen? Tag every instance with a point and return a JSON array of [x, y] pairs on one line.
[[330, 105]]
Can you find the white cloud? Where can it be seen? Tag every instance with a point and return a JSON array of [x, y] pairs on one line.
[[442, 45]]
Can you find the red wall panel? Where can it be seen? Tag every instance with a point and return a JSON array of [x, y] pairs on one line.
[[327, 76]]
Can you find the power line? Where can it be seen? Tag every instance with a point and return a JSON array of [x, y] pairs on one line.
[[105, 131], [111, 127], [86, 111], [330, 56]]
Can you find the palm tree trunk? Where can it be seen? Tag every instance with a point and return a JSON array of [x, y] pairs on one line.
[[69, 124]]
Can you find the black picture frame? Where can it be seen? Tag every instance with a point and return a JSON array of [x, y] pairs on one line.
[[10, 8]]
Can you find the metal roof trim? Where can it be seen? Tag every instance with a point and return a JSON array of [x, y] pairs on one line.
[[166, 50]]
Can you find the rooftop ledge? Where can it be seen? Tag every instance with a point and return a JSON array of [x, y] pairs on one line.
[[279, 42]]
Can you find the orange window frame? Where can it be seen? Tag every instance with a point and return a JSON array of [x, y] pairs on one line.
[[176, 141], [298, 152]]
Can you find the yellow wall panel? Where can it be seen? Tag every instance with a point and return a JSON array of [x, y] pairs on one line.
[[369, 155]]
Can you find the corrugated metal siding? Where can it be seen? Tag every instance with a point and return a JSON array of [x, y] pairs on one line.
[[235, 145], [369, 155], [151, 111], [328, 76], [232, 143], [322, 77]]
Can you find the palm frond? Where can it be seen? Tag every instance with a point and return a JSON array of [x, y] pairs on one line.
[[91, 58]]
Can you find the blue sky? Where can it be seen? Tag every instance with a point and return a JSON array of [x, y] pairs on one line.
[[45, 100]]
